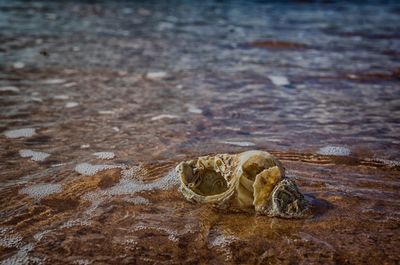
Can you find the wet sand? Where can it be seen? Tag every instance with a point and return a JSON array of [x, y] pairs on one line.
[[99, 103]]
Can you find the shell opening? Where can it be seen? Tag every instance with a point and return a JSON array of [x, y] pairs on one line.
[[207, 181]]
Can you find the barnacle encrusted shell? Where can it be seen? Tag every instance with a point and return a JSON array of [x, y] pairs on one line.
[[249, 180]]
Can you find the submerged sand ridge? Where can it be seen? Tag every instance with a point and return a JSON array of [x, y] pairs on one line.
[[125, 210]]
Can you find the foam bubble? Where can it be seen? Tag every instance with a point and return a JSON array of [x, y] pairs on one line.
[[40, 191], [87, 169], [156, 75], [194, 109], [138, 200], [164, 116], [82, 262], [54, 81], [40, 235], [222, 241], [35, 156], [391, 163], [334, 151], [129, 173], [36, 99], [134, 186], [70, 84], [76, 222], [18, 65], [21, 257], [61, 97], [279, 80], [104, 155], [26, 132], [71, 104], [9, 89], [238, 143], [10, 241], [106, 112]]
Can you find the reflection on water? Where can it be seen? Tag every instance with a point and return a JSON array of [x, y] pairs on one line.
[[125, 91]]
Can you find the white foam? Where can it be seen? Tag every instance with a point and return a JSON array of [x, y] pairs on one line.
[[87, 169], [222, 241], [334, 151], [106, 112], [61, 97], [138, 200], [40, 191], [238, 143], [21, 257], [156, 75], [71, 104], [164, 116], [10, 241], [4, 230], [82, 262], [104, 155], [116, 129], [134, 186], [9, 89], [194, 109], [391, 163], [54, 81], [18, 65], [69, 84], [40, 235], [128, 186], [84, 146], [173, 238], [36, 99], [129, 173], [76, 222], [35, 156], [279, 80], [26, 132]]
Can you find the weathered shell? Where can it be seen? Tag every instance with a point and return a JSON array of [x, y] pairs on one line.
[[249, 180]]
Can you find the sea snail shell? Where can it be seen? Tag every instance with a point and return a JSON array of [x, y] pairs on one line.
[[249, 180]]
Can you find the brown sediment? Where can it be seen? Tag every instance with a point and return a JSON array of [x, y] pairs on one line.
[[332, 159], [367, 77], [276, 44]]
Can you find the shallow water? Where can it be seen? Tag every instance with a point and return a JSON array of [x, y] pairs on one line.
[[118, 93]]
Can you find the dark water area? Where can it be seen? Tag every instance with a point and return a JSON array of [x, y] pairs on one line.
[[100, 101]]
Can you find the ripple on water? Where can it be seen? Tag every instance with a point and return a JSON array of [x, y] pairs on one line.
[[9, 89], [239, 143]]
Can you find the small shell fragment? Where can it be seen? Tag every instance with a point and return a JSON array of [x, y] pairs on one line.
[[252, 180]]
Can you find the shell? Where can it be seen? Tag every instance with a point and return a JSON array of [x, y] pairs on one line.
[[249, 181]]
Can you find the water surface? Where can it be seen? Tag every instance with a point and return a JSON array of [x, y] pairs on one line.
[[113, 95]]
